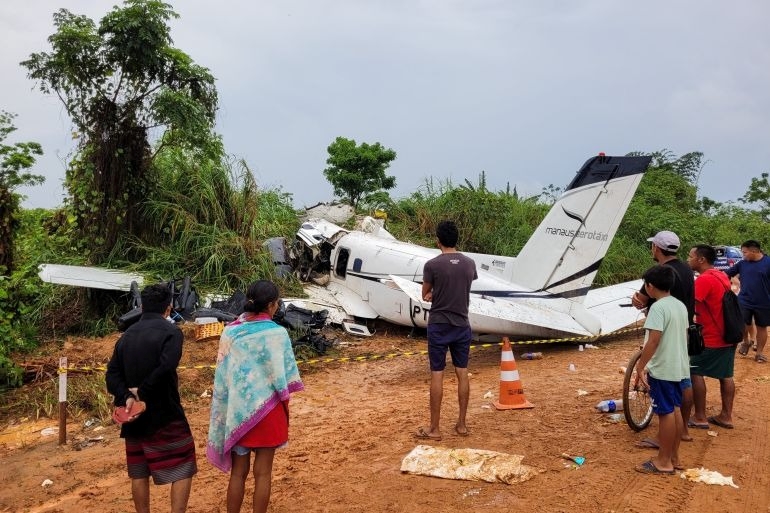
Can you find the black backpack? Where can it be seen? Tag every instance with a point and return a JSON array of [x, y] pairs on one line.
[[733, 318]]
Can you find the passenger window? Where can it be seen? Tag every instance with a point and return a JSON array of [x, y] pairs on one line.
[[342, 262]]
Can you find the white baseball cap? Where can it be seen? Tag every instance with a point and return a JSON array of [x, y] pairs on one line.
[[665, 240]]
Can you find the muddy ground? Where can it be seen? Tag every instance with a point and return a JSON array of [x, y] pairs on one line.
[[354, 423]]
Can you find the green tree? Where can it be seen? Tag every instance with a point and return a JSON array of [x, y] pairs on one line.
[[759, 194], [121, 82], [15, 160], [550, 193], [356, 172], [688, 166]]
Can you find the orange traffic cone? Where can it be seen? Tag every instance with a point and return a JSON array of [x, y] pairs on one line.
[[511, 392]]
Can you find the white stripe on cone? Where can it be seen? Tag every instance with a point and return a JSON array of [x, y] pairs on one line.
[[509, 375]]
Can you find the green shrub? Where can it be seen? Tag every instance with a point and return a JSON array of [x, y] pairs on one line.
[[18, 295]]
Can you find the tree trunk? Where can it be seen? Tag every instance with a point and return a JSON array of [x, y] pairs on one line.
[[8, 205]]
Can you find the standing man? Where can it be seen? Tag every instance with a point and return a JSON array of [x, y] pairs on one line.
[[159, 442], [446, 282], [663, 247], [754, 297], [718, 358]]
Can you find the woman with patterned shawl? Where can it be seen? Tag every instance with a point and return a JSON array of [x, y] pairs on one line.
[[256, 372]]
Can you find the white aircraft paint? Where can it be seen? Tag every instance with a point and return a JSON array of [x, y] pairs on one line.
[[542, 292]]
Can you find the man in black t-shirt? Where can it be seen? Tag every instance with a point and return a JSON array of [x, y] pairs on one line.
[[446, 283], [663, 247]]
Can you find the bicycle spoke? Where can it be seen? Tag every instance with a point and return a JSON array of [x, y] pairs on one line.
[[637, 406]]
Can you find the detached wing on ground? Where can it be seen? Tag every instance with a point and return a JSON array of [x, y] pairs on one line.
[[92, 277]]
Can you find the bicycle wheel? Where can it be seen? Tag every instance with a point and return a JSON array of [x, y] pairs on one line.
[[637, 406]]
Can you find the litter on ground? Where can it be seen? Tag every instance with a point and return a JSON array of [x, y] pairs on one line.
[[707, 476], [467, 464]]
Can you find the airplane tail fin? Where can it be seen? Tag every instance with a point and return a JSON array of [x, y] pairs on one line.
[[565, 251]]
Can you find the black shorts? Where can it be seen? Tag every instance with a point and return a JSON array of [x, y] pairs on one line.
[[760, 316], [457, 339]]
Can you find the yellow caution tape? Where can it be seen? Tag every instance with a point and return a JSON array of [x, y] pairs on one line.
[[348, 359]]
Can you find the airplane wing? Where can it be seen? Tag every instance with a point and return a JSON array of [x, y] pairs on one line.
[[92, 277], [530, 317], [606, 304]]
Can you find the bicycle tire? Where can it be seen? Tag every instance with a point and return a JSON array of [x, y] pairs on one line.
[[637, 405]]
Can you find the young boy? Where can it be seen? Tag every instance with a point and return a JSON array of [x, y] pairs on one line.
[[663, 365]]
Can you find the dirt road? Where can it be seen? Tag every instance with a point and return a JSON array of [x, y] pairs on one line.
[[354, 423]]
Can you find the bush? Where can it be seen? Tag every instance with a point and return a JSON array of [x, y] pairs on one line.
[[18, 296]]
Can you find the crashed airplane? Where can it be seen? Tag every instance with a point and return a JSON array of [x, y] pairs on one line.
[[542, 292]]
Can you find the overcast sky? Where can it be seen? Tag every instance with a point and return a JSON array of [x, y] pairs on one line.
[[524, 90]]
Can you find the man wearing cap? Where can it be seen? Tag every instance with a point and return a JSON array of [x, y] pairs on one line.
[[664, 246]]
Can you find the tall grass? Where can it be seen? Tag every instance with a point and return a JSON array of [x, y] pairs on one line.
[[86, 397], [208, 220], [489, 222]]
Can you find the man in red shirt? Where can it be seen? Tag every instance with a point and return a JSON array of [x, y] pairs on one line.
[[718, 358]]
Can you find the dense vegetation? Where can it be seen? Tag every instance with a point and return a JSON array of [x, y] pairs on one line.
[[121, 81], [177, 205], [209, 220]]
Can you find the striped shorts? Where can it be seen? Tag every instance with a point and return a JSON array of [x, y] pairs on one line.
[[167, 455]]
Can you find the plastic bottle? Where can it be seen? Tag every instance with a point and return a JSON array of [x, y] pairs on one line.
[[532, 356], [610, 406]]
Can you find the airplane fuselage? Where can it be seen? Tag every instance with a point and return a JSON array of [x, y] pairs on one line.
[[363, 264], [544, 291]]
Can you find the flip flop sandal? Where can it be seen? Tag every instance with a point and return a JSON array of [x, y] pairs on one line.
[[121, 416], [717, 422], [743, 348], [424, 434], [648, 467], [760, 358]]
